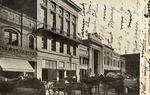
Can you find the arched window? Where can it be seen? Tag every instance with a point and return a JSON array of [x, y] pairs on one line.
[[11, 37], [31, 42]]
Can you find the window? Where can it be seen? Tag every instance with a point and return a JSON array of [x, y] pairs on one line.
[[107, 60], [113, 62], [74, 50], [31, 42], [53, 20], [110, 61], [45, 16], [68, 48], [118, 64], [61, 24], [104, 60], [44, 42], [74, 30], [11, 37], [53, 44], [85, 61], [80, 60], [68, 27], [61, 46]]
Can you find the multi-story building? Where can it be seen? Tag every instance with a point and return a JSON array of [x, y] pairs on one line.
[[57, 41], [55, 32], [54, 36], [83, 60], [17, 43], [132, 64], [101, 57]]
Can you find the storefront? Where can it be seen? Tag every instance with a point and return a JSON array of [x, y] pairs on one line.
[[49, 71], [11, 68]]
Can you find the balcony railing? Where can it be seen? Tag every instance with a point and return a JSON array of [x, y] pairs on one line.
[[61, 33], [70, 35], [14, 17]]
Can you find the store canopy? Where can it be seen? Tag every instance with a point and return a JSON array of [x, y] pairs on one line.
[[15, 65]]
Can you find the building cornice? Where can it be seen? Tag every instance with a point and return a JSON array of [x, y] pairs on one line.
[[75, 5]]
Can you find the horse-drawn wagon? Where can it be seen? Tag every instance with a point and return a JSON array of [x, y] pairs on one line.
[[114, 80], [68, 88], [22, 87]]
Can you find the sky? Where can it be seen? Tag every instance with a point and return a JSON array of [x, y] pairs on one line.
[[115, 23]]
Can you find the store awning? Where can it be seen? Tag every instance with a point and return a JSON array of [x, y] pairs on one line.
[[15, 65]]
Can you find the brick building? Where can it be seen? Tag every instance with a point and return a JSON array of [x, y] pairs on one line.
[[17, 43]]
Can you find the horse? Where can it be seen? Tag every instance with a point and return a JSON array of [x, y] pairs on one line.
[[91, 82], [110, 83], [16, 86]]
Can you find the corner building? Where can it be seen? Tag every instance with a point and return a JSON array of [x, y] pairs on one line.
[[17, 43], [57, 41]]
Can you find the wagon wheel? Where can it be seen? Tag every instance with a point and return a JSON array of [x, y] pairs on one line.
[[54, 91], [70, 90], [84, 90]]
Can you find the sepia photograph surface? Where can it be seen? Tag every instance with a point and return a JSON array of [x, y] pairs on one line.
[[74, 47]]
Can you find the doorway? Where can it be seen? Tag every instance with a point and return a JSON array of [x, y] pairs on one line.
[[61, 74], [96, 61]]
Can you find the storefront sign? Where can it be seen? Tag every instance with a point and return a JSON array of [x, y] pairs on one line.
[[18, 51]]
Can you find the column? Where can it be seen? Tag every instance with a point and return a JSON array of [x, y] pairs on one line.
[[39, 68], [91, 60]]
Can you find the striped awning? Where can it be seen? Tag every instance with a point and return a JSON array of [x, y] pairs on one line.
[[16, 65]]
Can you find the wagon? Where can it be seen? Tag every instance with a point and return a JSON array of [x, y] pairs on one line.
[[22, 87], [68, 88], [115, 81]]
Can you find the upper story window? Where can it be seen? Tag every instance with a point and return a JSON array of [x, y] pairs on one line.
[[11, 37], [44, 42], [68, 48], [68, 27], [80, 60], [113, 62], [104, 60], [53, 45], [53, 20], [31, 42], [74, 50], [44, 16], [107, 60], [61, 46], [74, 30], [85, 61], [61, 23], [118, 64]]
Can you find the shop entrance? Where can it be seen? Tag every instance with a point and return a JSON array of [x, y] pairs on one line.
[[61, 74]]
